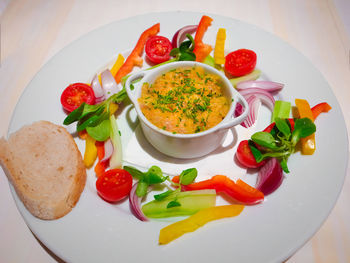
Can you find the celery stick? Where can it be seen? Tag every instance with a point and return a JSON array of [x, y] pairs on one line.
[[251, 76], [209, 60], [281, 110], [190, 203]]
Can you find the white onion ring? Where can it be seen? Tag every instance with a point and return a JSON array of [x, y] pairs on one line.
[[98, 91], [108, 146], [109, 84], [262, 95]]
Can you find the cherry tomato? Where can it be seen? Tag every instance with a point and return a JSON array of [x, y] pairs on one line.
[[75, 94], [114, 185], [240, 62], [158, 49], [245, 156]]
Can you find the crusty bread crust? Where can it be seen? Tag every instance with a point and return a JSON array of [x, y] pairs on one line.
[[43, 163]]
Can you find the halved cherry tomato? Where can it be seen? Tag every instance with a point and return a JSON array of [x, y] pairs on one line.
[[240, 62], [158, 49], [114, 185], [245, 156], [75, 94]]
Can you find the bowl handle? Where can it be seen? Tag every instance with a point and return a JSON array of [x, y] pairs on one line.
[[129, 85], [237, 120]]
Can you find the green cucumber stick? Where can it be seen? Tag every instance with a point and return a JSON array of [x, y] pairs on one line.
[[281, 110], [251, 76]]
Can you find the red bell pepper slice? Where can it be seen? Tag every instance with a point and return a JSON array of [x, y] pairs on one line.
[[134, 59], [319, 108], [202, 50], [239, 191], [100, 167]]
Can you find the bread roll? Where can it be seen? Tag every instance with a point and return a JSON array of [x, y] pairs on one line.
[[43, 163]]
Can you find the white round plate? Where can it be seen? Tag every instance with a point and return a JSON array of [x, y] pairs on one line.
[[96, 231]]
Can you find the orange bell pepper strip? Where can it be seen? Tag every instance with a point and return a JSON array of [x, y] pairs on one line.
[[100, 167], [192, 223], [202, 50], [134, 59], [308, 144], [319, 108], [239, 191]]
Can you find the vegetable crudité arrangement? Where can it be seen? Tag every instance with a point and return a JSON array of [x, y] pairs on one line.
[[93, 108]]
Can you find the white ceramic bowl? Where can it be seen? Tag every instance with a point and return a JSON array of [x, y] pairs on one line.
[[185, 145]]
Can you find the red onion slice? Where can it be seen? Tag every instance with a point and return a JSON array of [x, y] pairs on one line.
[[253, 103], [180, 35], [269, 86], [109, 84], [254, 96], [270, 176], [263, 95], [135, 204], [98, 91], [108, 150]]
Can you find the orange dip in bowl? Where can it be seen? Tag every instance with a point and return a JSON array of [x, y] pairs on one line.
[[185, 100]]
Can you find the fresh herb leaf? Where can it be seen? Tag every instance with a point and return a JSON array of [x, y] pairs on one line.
[[154, 175], [141, 189], [302, 128], [173, 203], [264, 139], [100, 132], [162, 196], [74, 115], [185, 51], [174, 52], [283, 127], [188, 176], [284, 165], [256, 153], [187, 56], [184, 46], [91, 115], [135, 173]]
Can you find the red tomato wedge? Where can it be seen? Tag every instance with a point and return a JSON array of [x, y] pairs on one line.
[[158, 49], [114, 185], [245, 156], [75, 94], [240, 62]]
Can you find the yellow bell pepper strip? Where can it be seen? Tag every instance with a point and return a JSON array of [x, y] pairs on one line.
[[113, 107], [202, 50], [319, 108], [192, 223], [219, 49], [90, 154], [134, 59], [117, 65], [308, 144]]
